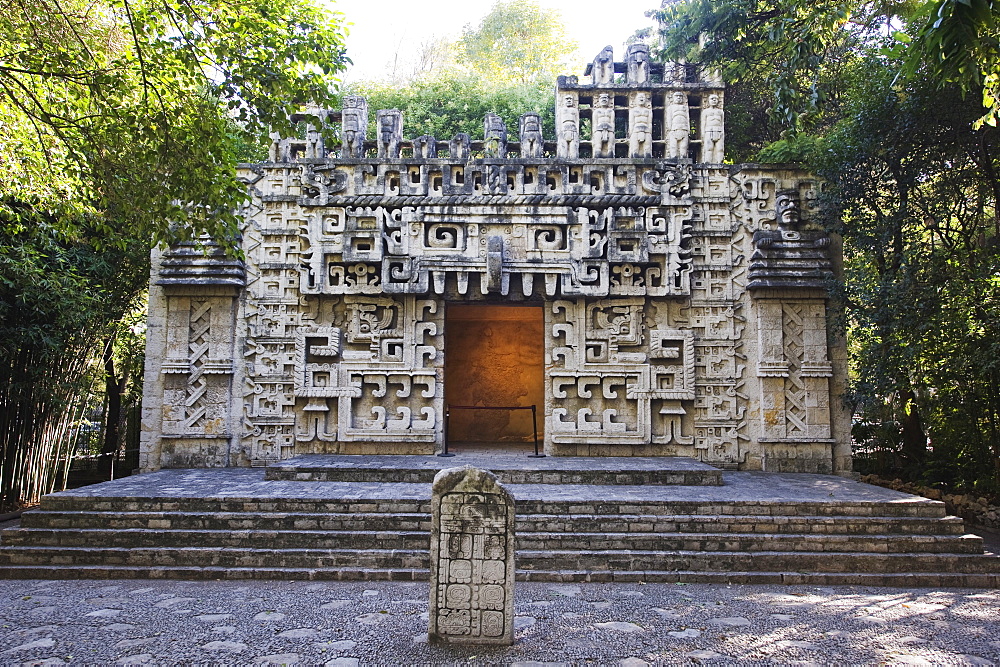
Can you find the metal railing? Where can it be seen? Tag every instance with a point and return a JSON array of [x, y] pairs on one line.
[[534, 422]]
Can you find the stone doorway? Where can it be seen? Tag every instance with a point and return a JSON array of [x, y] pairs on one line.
[[494, 356]]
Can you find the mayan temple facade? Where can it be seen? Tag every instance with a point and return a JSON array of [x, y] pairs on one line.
[[645, 297]]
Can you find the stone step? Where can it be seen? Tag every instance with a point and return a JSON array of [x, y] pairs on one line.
[[265, 572], [226, 520], [509, 469], [385, 505], [128, 538], [534, 499], [825, 525], [173, 556], [905, 580], [527, 560], [725, 509], [418, 540], [728, 542], [896, 580], [818, 525], [362, 539], [778, 561]]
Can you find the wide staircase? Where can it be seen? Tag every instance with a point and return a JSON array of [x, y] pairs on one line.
[[652, 520]]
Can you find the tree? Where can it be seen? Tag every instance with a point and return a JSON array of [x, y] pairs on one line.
[[861, 94], [444, 105], [507, 65], [517, 42], [955, 43], [120, 122], [132, 105]]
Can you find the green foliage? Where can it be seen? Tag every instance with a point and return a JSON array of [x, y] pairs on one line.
[[518, 42], [447, 104], [787, 45], [796, 45], [916, 191], [120, 125], [59, 298], [132, 106], [875, 98], [506, 65], [958, 44]]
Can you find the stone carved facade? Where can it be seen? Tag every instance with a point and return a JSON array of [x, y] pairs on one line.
[[684, 301], [472, 559]]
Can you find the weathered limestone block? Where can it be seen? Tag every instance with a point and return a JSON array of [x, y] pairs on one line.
[[603, 67], [494, 136], [640, 125], [788, 257], [425, 146], [472, 559]]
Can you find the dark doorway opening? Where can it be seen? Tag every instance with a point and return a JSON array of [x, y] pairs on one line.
[[494, 356]]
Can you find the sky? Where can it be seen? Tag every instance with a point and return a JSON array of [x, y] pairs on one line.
[[384, 27]]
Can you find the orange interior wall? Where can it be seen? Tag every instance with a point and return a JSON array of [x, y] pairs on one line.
[[494, 356]]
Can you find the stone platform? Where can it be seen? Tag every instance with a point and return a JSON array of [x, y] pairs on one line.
[[754, 528], [510, 468]]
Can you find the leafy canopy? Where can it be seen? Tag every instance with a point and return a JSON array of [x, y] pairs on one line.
[[518, 42], [794, 44], [891, 104], [130, 110]]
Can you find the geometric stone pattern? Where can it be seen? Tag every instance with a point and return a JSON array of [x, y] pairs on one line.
[[472, 559], [666, 279]]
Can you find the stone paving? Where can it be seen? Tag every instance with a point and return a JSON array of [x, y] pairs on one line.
[[176, 622], [741, 487]]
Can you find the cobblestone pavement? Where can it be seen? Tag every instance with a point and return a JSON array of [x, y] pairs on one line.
[[176, 622]]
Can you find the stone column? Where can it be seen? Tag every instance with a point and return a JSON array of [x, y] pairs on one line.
[[472, 559]]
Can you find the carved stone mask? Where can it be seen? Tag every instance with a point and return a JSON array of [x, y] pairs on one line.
[[787, 208]]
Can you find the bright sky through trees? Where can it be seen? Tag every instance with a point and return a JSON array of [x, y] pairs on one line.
[[384, 27]]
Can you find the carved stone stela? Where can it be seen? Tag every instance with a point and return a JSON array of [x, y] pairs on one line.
[[472, 559], [684, 300]]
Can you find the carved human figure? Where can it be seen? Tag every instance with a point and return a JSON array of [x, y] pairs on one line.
[[458, 148], [390, 132], [494, 136], [354, 125], [678, 125], [314, 142], [788, 216], [637, 63], [787, 256], [603, 70], [274, 150], [530, 134], [569, 128], [425, 146], [713, 130], [603, 133], [640, 123]]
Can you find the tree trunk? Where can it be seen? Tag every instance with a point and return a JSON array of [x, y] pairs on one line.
[[113, 413], [914, 437]]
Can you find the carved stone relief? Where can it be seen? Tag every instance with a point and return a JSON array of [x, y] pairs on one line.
[[472, 559], [685, 311]]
